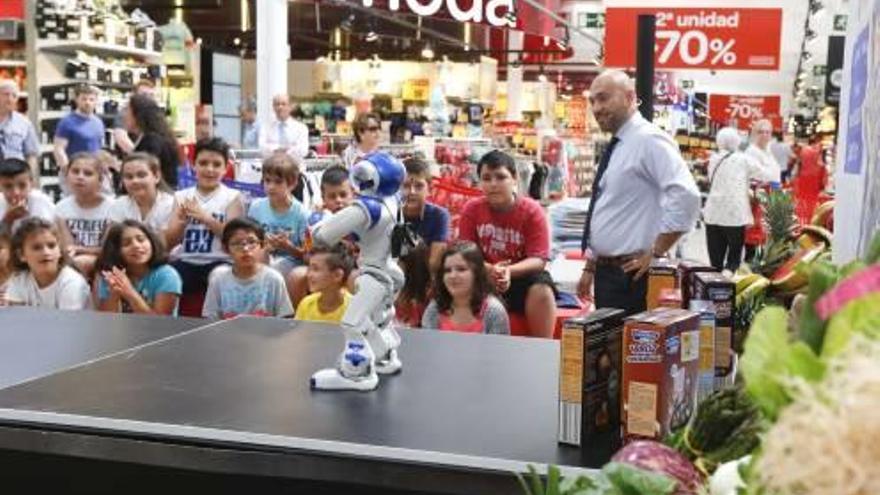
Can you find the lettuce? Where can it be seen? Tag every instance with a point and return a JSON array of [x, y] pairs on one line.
[[861, 315], [770, 360]]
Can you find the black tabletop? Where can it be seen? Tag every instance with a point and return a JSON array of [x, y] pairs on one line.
[[471, 402], [35, 342]]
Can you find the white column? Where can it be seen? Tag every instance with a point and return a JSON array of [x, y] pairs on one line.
[[273, 53], [514, 76]]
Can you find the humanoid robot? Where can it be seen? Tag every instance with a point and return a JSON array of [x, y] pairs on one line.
[[371, 341]]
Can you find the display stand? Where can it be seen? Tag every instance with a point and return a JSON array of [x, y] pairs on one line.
[[66, 48]]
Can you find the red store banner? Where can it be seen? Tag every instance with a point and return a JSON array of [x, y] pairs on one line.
[[698, 38], [13, 9], [742, 110]]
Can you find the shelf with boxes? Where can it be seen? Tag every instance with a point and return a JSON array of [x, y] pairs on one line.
[[85, 42]]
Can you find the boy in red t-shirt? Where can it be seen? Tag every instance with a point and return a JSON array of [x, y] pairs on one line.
[[513, 235]]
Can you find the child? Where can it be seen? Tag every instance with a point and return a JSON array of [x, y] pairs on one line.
[[20, 200], [248, 287], [197, 222], [464, 301], [42, 277], [281, 215], [5, 268], [416, 291], [83, 216], [146, 198], [329, 269], [514, 238], [429, 220], [134, 276], [336, 194]]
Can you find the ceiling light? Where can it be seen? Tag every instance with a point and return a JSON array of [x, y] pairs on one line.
[[236, 41], [542, 78], [372, 37], [427, 52]]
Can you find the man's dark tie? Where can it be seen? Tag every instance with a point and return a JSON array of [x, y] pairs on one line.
[[597, 190]]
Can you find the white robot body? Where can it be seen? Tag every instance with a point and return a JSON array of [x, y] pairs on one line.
[[371, 341]]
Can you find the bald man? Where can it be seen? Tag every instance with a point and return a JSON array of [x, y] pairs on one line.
[[284, 135], [759, 150], [644, 199]]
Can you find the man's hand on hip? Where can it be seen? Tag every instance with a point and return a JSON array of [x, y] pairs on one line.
[[638, 266], [585, 285]]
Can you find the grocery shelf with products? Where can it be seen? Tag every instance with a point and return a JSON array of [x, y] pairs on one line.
[[93, 43]]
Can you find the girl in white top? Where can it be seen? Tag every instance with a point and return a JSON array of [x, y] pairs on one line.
[[727, 211], [197, 222], [42, 277], [146, 197], [84, 215]]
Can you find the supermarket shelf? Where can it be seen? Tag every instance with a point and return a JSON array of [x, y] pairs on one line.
[[102, 84], [12, 63], [72, 46]]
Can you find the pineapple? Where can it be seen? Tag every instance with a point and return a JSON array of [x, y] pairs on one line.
[[780, 221]]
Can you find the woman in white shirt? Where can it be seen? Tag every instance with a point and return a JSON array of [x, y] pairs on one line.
[[727, 212]]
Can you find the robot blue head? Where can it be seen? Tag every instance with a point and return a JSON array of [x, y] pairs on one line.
[[378, 174]]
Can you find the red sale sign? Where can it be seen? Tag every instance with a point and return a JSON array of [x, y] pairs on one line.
[[741, 110], [698, 38]]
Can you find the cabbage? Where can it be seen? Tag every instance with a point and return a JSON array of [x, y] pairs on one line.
[[658, 458]]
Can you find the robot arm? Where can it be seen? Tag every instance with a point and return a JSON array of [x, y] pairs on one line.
[[331, 230]]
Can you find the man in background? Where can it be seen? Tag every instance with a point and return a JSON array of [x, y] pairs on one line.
[[80, 130], [18, 139], [284, 134], [250, 128]]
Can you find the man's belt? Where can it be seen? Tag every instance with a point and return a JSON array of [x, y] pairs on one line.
[[617, 261]]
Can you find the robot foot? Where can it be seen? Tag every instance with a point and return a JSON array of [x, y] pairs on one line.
[[332, 379], [390, 365]]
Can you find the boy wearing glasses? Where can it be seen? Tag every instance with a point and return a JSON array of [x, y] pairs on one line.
[[248, 287]]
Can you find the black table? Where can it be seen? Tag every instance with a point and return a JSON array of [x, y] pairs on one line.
[[38, 342], [228, 406]]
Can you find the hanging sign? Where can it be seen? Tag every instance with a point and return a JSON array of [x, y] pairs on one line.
[[496, 13], [834, 74], [416, 89], [742, 110], [12, 9], [698, 38]]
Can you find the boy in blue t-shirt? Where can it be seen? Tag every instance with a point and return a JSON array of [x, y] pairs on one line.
[[429, 220], [80, 130], [280, 214]]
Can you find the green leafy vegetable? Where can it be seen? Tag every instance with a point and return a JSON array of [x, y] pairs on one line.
[[860, 316], [822, 277], [770, 359], [614, 479], [630, 480]]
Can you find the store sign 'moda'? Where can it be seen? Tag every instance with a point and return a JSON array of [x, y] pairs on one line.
[[497, 13]]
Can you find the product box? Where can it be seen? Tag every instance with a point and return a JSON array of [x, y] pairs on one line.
[[589, 384], [661, 275], [661, 350], [670, 298], [686, 269], [721, 292], [706, 381]]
